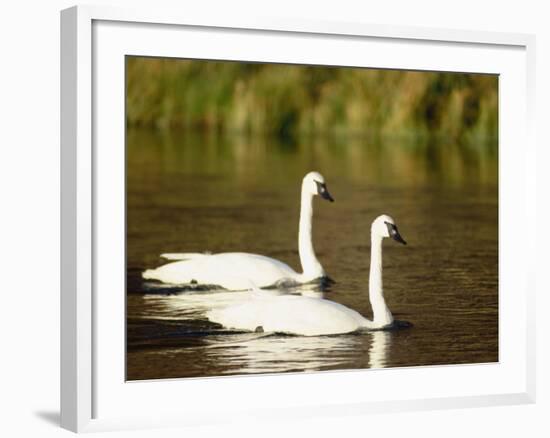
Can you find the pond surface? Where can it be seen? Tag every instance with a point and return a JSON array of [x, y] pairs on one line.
[[205, 193]]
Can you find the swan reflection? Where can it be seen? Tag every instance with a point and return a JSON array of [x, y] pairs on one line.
[[274, 353], [198, 303], [379, 348]]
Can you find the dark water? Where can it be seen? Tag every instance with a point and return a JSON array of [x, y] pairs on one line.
[[195, 194]]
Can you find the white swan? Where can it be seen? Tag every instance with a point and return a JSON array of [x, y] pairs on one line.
[[308, 316], [234, 271]]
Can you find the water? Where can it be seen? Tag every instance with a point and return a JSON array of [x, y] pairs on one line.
[[193, 194]]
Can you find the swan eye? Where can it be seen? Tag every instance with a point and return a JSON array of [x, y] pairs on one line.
[[394, 233], [320, 187], [392, 229]]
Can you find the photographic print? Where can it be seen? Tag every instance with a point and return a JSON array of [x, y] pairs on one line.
[[303, 218]]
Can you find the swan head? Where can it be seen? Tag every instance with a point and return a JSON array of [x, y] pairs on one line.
[[384, 226], [314, 184]]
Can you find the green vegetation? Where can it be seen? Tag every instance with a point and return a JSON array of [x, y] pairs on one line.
[[292, 100]]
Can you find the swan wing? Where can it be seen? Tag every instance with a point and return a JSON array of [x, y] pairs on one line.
[[233, 271], [290, 314]]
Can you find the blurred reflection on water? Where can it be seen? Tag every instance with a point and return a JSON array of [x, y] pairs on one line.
[[246, 352], [194, 194]]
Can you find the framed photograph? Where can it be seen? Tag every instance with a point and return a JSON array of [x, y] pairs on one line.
[[275, 218]]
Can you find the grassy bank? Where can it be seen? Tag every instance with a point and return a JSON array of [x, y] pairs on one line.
[[289, 100]]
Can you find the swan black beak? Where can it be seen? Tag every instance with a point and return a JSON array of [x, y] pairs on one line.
[[323, 191], [397, 237], [394, 233]]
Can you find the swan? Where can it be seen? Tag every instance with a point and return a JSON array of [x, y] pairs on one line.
[[307, 316], [235, 271]]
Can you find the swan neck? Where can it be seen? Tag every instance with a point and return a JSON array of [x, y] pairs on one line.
[[381, 313], [311, 267]]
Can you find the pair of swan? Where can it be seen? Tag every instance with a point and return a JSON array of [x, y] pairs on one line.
[[270, 312]]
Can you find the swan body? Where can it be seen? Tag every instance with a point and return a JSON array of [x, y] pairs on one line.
[[234, 271], [231, 271], [307, 316], [292, 314]]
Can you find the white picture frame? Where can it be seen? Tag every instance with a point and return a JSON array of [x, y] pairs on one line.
[[90, 401]]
